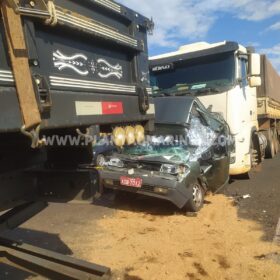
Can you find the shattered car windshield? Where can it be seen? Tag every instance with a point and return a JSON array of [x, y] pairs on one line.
[[174, 154], [178, 149]]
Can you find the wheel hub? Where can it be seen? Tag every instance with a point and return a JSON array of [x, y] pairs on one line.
[[197, 195]]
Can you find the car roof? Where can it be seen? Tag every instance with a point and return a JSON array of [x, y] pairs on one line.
[[174, 109]]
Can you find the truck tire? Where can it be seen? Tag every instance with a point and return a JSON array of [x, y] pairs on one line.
[[276, 140], [255, 157], [196, 202], [270, 149]]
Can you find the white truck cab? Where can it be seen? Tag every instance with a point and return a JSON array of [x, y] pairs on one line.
[[224, 76]]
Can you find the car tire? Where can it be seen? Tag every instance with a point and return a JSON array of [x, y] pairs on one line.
[[196, 201]]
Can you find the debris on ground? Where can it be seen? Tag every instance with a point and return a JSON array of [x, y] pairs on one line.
[[237, 198], [272, 256]]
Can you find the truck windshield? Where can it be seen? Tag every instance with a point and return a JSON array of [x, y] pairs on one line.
[[208, 72]]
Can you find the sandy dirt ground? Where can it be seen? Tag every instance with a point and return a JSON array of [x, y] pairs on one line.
[[214, 245], [147, 239]]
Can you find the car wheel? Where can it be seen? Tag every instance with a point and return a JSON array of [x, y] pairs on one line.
[[196, 201]]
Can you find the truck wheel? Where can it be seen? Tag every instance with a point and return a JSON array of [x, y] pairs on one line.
[[270, 149], [276, 141], [196, 202], [253, 154]]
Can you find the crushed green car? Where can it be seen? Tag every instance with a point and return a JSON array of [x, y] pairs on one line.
[[188, 155]]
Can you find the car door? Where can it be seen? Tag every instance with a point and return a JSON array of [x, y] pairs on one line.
[[218, 175]]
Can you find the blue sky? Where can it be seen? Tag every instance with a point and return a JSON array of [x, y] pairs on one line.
[[179, 22]]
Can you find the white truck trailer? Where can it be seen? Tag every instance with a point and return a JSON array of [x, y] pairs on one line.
[[231, 80]]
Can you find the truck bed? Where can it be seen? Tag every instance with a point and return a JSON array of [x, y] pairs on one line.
[[92, 67]]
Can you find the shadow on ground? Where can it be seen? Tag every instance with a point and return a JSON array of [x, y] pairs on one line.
[[51, 242], [136, 203], [8, 272], [40, 239]]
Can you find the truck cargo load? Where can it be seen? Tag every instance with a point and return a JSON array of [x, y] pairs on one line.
[[269, 92]]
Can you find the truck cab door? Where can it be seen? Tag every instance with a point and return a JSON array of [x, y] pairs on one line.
[[248, 92]]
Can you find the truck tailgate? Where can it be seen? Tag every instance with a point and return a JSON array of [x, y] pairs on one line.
[[91, 67]]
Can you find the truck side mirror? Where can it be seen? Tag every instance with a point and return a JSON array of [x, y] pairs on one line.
[[255, 81], [254, 64]]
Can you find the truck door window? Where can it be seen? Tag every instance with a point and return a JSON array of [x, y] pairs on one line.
[[243, 71]]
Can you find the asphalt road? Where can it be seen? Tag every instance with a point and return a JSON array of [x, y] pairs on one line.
[[263, 206], [57, 226]]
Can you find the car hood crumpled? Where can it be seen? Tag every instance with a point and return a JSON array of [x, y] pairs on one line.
[[197, 140]]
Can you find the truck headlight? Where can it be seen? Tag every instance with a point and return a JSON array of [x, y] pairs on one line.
[[119, 136], [139, 134], [129, 135], [116, 162]]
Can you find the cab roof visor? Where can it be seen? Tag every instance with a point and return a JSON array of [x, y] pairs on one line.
[[227, 47]]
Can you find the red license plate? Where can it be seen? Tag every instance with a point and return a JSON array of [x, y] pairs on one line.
[[131, 182]]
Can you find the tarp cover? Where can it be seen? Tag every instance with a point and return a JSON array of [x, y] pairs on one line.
[[270, 80]]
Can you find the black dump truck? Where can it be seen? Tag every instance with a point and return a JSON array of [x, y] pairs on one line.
[[65, 66]]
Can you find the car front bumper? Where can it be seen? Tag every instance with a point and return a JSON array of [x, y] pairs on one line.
[[166, 187]]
